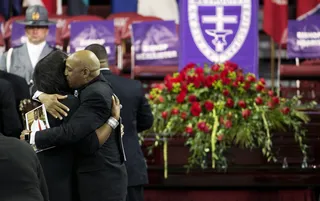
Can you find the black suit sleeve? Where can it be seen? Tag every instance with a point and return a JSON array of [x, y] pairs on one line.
[[144, 114], [42, 180], [9, 117], [93, 111]]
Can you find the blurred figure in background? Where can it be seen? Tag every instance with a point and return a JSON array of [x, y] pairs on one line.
[[53, 6], [164, 9], [119, 6], [78, 7], [7, 5]]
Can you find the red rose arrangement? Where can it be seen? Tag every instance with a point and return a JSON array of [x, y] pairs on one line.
[[218, 107]]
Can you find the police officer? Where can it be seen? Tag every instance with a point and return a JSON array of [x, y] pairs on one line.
[[21, 60]]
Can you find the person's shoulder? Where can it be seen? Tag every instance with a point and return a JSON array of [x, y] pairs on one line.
[[15, 48], [4, 82], [127, 82], [20, 145], [5, 85], [71, 101]]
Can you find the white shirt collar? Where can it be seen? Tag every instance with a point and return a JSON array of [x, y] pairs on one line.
[[35, 51], [40, 45], [104, 69]]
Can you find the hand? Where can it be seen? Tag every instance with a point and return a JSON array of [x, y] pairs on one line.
[[115, 108], [53, 106], [122, 130], [24, 133]]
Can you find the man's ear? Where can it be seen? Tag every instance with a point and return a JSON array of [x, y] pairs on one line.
[[86, 72]]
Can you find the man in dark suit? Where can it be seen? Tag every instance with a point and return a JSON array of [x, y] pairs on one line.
[[137, 117], [20, 172], [19, 85], [20, 90], [101, 176], [10, 124]]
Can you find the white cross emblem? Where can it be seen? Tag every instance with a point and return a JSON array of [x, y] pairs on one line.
[[219, 34]]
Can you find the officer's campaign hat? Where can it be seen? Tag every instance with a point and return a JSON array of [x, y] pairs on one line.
[[36, 16]]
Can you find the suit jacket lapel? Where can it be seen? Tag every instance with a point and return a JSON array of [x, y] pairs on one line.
[[46, 50], [24, 56]]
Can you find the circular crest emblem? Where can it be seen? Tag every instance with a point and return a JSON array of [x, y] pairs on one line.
[[220, 49]]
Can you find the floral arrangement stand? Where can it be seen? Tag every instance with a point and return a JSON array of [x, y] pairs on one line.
[[219, 107]]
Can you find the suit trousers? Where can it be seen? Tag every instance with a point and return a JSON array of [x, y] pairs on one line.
[[135, 193]]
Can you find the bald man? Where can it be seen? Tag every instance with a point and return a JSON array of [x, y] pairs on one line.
[[102, 175]]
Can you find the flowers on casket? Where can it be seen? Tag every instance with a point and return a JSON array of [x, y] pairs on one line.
[[218, 107]]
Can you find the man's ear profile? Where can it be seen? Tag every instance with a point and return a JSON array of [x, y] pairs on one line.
[[86, 72]]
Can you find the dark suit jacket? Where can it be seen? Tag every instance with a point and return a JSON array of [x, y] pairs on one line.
[[102, 175], [20, 172], [136, 117], [20, 86], [58, 163], [10, 123], [20, 89]]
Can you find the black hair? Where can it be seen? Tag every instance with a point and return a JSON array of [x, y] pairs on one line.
[[99, 51], [49, 75]]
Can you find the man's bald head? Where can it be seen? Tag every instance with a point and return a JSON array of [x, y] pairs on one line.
[[81, 67]]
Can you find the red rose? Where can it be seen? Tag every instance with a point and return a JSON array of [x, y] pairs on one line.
[[206, 129], [183, 87], [258, 100], [251, 78], [270, 105], [195, 109], [215, 67], [159, 86], [259, 87], [151, 97], [169, 85], [201, 125], [189, 66], [199, 71], [189, 130], [240, 78], [242, 104], [209, 105], [270, 93], [192, 98], [225, 81], [164, 115], [225, 92], [224, 74], [197, 82], [229, 103], [285, 110], [161, 99], [247, 85], [210, 80], [246, 113], [275, 100], [263, 81], [175, 111], [228, 124], [231, 66], [235, 84], [220, 137], [181, 96], [183, 115]]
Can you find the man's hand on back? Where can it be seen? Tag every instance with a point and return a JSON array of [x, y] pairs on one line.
[[53, 105]]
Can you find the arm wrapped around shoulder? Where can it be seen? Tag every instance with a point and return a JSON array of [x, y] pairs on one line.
[[94, 111]]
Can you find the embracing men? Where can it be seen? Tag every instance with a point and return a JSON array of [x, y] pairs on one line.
[[102, 174]]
